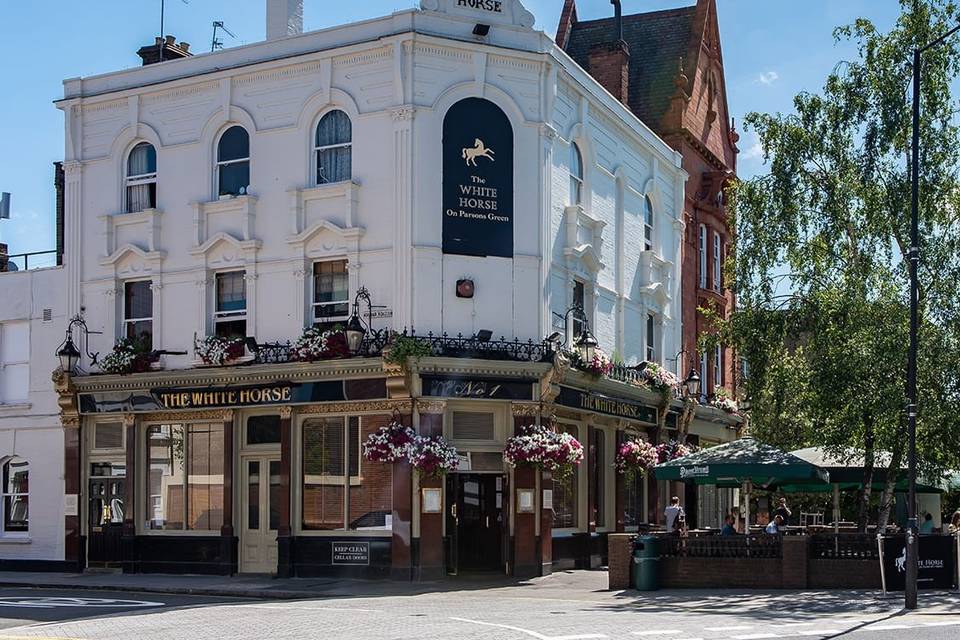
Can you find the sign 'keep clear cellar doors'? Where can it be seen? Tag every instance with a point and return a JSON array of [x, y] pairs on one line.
[[477, 180]]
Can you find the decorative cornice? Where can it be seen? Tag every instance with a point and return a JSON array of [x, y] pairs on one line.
[[525, 409], [359, 406], [404, 113], [431, 406], [217, 415]]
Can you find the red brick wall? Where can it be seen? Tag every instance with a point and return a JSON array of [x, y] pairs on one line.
[[610, 66]]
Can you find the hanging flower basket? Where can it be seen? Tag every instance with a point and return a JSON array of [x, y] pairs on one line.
[[433, 456], [542, 447], [672, 450], [389, 444], [635, 456], [315, 344], [128, 356], [217, 350]]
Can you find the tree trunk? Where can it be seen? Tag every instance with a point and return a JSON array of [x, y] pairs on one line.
[[868, 464], [893, 474]]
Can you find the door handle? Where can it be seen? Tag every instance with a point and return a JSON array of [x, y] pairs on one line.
[[488, 522], [453, 510]]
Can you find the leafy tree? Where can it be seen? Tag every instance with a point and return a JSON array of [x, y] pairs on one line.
[[822, 286]]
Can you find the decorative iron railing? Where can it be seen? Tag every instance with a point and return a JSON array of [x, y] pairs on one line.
[[28, 261], [443, 345], [844, 546], [715, 546]]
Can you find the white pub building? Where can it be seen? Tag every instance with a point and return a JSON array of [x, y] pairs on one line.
[[447, 185]]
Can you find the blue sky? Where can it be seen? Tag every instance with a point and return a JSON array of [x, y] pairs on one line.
[[772, 50]]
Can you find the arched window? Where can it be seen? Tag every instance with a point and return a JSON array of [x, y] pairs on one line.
[[233, 162], [334, 148], [576, 175], [703, 256], [141, 181], [647, 223], [15, 495]]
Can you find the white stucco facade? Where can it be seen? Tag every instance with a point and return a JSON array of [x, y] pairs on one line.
[[32, 320], [395, 77]]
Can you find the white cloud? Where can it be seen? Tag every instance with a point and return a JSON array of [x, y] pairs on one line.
[[768, 77], [753, 152]]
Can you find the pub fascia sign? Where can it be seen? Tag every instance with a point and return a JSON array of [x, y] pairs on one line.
[[694, 472], [494, 6], [244, 397]]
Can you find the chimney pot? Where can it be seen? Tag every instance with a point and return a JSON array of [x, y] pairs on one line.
[[171, 40], [185, 46], [168, 45]]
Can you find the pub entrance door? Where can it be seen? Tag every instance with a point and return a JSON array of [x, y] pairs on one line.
[[260, 509], [476, 522], [105, 520]]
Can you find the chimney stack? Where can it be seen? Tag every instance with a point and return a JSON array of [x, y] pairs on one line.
[[284, 18], [610, 61], [168, 46], [3, 257]]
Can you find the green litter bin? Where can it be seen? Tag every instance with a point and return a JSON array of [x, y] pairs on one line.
[[646, 563]]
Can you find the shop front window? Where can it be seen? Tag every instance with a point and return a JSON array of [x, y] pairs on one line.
[[185, 477], [16, 495], [340, 491], [566, 493]]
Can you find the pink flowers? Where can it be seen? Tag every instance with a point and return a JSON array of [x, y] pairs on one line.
[[600, 364], [636, 456], [389, 444], [672, 450], [315, 344], [659, 379], [433, 456], [542, 447]]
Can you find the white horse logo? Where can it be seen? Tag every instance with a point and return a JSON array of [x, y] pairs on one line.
[[479, 150], [902, 561]]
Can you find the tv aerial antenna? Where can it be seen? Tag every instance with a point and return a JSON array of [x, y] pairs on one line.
[[218, 44], [163, 14]]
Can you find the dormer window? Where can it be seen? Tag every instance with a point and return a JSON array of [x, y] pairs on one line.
[[141, 180], [334, 148], [576, 175], [233, 162]]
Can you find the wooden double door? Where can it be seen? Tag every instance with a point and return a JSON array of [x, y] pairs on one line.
[[476, 522], [260, 509], [105, 513]]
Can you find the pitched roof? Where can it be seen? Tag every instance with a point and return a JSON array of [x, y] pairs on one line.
[[657, 41]]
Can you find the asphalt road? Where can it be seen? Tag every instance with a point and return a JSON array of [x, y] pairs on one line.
[[490, 614]]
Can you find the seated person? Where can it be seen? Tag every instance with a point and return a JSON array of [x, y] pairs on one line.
[[926, 527], [775, 524], [728, 528]]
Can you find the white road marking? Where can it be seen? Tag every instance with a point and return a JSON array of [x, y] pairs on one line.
[[944, 623], [293, 608], [818, 632], [884, 627], [755, 636], [731, 628], [38, 602], [658, 632], [534, 634]]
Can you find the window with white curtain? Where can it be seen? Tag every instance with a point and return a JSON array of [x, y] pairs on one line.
[[141, 180], [233, 162], [703, 376], [331, 294], [138, 311], [647, 224], [576, 175], [651, 338], [718, 366], [703, 256], [230, 315], [717, 261], [333, 147], [15, 494]]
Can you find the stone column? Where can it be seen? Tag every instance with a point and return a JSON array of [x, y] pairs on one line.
[[228, 541], [427, 550], [285, 540], [526, 562], [128, 541]]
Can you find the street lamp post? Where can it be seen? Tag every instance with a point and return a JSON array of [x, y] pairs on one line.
[[910, 591]]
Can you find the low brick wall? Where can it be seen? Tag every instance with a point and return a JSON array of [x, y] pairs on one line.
[[845, 574], [794, 570]]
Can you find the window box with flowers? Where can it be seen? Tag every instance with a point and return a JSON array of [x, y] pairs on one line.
[[216, 351], [127, 357], [316, 344], [722, 400], [658, 379]]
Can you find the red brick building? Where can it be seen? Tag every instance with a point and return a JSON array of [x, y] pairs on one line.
[[667, 67]]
